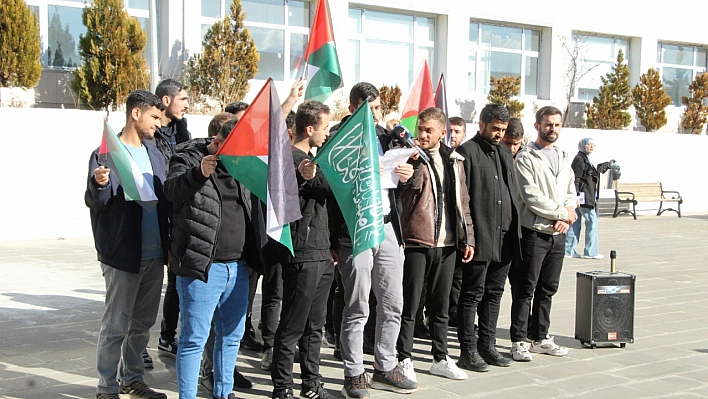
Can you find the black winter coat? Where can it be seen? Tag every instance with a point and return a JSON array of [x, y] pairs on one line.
[[197, 213], [168, 137], [117, 223], [586, 178], [310, 234], [483, 184]]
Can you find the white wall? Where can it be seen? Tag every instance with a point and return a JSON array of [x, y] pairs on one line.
[[44, 166]]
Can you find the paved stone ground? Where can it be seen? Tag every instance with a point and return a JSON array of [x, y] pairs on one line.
[[51, 295]]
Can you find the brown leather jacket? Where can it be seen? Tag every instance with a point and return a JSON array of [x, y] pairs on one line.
[[420, 216]]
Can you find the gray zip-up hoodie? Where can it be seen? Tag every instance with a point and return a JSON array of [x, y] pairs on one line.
[[543, 196]]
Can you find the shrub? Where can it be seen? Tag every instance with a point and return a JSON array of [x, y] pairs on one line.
[[112, 53], [502, 91], [696, 112], [228, 61], [20, 52], [608, 111], [650, 100]]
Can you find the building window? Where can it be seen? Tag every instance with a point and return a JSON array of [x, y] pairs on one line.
[[395, 46], [597, 57], [280, 29], [679, 65], [503, 51], [60, 26]]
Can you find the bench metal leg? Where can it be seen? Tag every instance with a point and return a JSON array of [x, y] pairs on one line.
[[678, 211], [634, 209], [659, 212]]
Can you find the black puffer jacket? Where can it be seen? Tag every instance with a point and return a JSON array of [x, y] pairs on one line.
[[311, 233], [197, 213], [586, 178]]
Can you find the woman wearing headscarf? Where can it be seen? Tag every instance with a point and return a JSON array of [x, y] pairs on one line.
[[586, 177]]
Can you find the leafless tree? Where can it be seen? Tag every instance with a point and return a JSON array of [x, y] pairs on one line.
[[576, 70]]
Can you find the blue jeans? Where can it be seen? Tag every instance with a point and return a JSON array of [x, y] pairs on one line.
[[571, 238], [225, 298]]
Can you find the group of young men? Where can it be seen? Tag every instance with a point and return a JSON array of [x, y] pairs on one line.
[[462, 220]]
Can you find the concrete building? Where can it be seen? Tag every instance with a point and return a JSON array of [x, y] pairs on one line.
[[385, 42]]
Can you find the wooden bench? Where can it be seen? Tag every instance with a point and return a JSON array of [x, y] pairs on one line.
[[633, 193]]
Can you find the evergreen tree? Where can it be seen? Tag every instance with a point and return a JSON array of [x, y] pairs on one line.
[[502, 91], [696, 112], [227, 62], [112, 53], [20, 52], [609, 110], [650, 100], [390, 97]]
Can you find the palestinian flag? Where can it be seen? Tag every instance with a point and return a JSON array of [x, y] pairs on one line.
[[441, 102], [113, 155], [420, 97], [349, 161], [323, 73], [257, 153]]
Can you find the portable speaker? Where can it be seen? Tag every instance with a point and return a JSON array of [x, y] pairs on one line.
[[604, 308]]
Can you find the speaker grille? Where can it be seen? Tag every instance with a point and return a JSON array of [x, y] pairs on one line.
[[612, 315]]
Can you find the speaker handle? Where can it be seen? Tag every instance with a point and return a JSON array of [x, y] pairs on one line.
[[613, 261]]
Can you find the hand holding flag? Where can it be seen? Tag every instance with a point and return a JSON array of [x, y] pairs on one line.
[[101, 174]]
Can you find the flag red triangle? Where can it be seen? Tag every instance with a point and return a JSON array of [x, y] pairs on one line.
[[250, 135], [321, 32]]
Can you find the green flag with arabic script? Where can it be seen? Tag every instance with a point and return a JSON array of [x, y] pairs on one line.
[[350, 162]]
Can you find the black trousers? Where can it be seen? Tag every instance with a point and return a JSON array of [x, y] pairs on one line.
[[456, 287], [437, 265], [305, 291], [274, 256], [170, 309], [481, 294], [536, 278]]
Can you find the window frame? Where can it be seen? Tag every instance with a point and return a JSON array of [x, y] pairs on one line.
[[610, 61], [695, 69], [287, 30], [420, 47], [479, 48]]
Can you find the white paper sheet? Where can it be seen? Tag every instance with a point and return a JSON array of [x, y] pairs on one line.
[[391, 159]]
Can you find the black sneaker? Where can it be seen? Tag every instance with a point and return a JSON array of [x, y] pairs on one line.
[[355, 387], [337, 352], [318, 392], [286, 393], [167, 348], [139, 389], [493, 357], [471, 360], [241, 381], [394, 381], [250, 343], [147, 360]]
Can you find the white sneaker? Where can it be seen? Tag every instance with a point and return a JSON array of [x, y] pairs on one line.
[[598, 256], [520, 352], [406, 366], [448, 369], [549, 347]]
